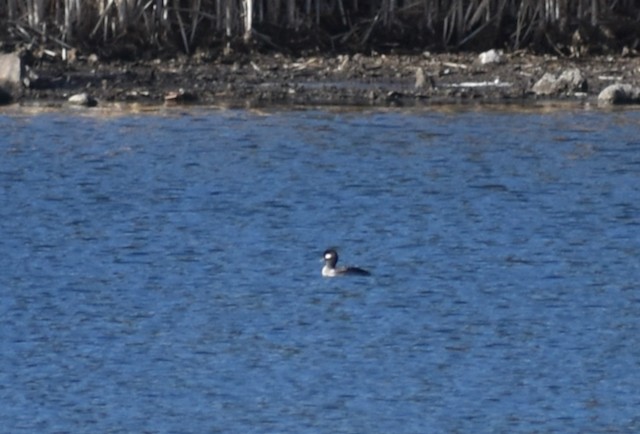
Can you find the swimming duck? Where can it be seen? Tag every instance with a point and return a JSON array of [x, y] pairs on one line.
[[330, 269]]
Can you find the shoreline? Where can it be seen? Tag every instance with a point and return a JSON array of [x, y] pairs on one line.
[[381, 80]]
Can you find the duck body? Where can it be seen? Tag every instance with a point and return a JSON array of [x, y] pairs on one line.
[[330, 268]]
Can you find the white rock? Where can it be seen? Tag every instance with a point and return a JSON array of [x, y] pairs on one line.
[[546, 85], [619, 94], [491, 56], [83, 99], [571, 80], [12, 70], [420, 78]]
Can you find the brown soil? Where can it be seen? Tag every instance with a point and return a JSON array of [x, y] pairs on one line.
[[377, 80]]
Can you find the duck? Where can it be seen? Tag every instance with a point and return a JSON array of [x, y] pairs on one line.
[[330, 258]]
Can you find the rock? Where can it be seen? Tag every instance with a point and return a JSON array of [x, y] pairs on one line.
[[571, 80], [180, 96], [619, 94], [15, 73], [491, 56], [82, 99], [12, 70], [546, 85], [420, 79], [12, 74], [424, 81]]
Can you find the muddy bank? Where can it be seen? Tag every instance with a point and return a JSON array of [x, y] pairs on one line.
[[238, 79]]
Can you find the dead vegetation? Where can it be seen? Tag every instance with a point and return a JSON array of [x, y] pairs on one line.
[[129, 28]]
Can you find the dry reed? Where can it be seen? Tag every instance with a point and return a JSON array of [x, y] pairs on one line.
[[442, 24]]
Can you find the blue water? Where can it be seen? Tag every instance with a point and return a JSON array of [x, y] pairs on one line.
[[160, 272]]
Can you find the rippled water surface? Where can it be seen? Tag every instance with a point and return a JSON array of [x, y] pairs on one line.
[[160, 272]]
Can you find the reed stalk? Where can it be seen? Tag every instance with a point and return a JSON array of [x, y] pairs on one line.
[[439, 23]]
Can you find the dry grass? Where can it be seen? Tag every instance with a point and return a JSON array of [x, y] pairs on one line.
[[435, 23]]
